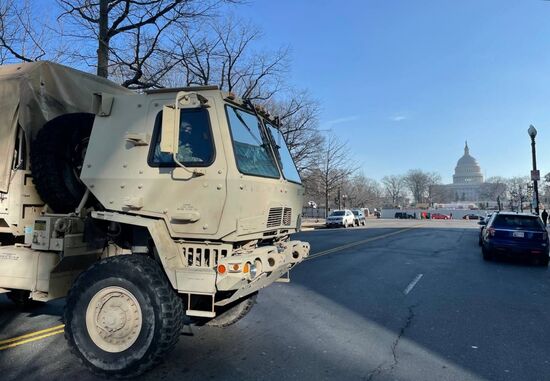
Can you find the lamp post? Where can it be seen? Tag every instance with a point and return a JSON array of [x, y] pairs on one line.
[[532, 131], [530, 195]]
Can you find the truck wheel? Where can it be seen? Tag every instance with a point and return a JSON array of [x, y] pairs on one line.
[[57, 155], [234, 312], [122, 316]]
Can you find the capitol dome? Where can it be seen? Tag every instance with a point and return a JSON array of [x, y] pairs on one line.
[[467, 170]]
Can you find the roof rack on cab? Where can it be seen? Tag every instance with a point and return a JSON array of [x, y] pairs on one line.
[[176, 89]]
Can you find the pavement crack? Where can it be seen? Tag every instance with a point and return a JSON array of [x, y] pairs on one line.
[[405, 326], [395, 359]]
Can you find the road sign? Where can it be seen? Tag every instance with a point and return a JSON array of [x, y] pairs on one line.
[[535, 175]]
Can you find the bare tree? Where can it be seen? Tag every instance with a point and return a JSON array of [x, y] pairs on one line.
[[394, 186], [434, 180], [225, 54], [418, 182], [335, 166], [21, 36], [363, 192], [518, 191], [493, 188], [440, 193], [299, 124], [129, 34]]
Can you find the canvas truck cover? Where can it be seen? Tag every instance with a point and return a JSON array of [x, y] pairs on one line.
[[33, 93]]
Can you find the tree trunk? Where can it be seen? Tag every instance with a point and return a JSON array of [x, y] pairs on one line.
[[103, 47], [326, 203]]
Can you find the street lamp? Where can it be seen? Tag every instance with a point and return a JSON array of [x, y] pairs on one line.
[[532, 131]]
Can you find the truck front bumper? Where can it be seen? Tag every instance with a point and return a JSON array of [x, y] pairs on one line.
[[255, 269]]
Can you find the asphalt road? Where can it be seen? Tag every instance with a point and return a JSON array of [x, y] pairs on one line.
[[397, 300]]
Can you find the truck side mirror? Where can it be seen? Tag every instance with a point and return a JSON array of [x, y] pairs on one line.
[[169, 139], [169, 136]]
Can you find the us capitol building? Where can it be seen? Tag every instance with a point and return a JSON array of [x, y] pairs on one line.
[[467, 181]]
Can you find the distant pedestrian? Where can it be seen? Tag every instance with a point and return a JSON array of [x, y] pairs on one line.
[[544, 216], [451, 215]]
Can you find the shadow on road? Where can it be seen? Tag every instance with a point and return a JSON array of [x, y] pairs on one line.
[[465, 312]]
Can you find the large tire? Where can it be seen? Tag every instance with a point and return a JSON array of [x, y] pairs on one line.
[[122, 316], [234, 312], [57, 154]]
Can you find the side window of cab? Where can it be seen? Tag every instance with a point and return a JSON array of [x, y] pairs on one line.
[[196, 146]]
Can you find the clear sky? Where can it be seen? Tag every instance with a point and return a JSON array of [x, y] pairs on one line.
[[406, 82]]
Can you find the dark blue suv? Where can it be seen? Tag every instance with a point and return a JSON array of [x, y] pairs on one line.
[[515, 234]]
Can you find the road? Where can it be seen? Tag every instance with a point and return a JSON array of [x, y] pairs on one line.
[[397, 300]]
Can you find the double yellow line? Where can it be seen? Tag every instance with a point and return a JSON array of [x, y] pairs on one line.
[[29, 337], [357, 243]]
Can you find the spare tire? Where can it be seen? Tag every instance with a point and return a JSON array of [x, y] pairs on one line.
[[57, 155]]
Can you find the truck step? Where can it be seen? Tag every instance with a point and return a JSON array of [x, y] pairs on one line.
[[207, 314]]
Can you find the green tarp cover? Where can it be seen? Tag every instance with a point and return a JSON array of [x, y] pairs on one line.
[[33, 93]]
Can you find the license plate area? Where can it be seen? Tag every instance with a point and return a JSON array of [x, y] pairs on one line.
[[518, 234]]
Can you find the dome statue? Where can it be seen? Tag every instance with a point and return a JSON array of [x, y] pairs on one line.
[[467, 170]]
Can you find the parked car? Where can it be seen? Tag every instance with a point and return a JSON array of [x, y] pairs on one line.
[[471, 217], [343, 218], [439, 216], [404, 215], [515, 234], [359, 217]]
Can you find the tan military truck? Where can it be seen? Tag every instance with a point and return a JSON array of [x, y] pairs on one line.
[[140, 208]]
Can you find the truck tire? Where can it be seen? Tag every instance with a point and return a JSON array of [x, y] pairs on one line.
[[122, 316], [234, 312], [57, 155]]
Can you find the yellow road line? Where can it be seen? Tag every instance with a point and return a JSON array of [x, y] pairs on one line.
[[28, 335], [357, 243], [35, 338]]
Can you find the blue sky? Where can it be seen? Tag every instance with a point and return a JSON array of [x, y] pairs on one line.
[[406, 82]]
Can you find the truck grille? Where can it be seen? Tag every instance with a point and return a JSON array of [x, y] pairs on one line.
[[287, 216], [204, 257], [274, 217], [279, 216]]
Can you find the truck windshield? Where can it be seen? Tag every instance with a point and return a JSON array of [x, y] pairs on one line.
[[251, 145], [283, 154]]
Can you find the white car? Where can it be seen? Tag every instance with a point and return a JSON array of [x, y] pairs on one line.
[[342, 217]]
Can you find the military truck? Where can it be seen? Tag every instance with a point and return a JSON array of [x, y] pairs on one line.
[[140, 208]]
